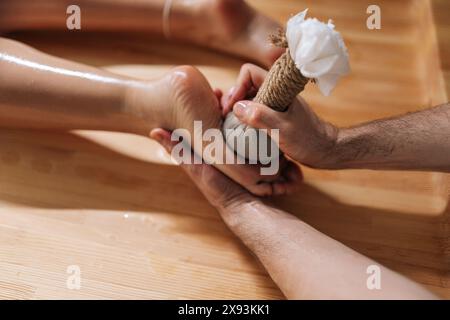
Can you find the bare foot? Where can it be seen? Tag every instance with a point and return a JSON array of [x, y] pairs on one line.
[[231, 26], [184, 96]]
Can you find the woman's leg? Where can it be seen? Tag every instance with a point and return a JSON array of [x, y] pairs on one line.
[[227, 25], [43, 92]]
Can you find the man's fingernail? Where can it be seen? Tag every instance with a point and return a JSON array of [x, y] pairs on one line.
[[241, 110], [156, 137], [232, 91], [227, 98]]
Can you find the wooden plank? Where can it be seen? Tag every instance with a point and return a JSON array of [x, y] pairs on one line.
[[138, 228]]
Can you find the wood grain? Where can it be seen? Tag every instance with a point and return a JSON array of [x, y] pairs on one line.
[[139, 229]]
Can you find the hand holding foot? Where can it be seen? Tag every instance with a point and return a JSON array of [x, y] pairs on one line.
[[62, 95], [184, 96], [303, 136], [294, 254]]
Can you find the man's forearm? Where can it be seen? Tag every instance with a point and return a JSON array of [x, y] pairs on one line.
[[307, 264], [417, 141]]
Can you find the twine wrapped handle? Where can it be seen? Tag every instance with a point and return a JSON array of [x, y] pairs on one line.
[[284, 80], [281, 86]]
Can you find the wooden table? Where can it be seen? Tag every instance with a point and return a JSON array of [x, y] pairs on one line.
[[138, 228]]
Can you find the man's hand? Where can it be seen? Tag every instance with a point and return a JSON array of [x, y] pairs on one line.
[[218, 189], [297, 257], [304, 137], [415, 141], [222, 192]]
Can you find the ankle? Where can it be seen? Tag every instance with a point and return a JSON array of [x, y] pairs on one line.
[[141, 106]]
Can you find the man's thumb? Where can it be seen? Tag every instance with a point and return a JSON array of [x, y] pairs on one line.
[[257, 115]]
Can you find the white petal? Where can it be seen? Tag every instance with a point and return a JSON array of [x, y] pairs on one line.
[[327, 83], [319, 68], [317, 50]]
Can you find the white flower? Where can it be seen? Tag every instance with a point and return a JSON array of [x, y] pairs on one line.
[[317, 50]]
